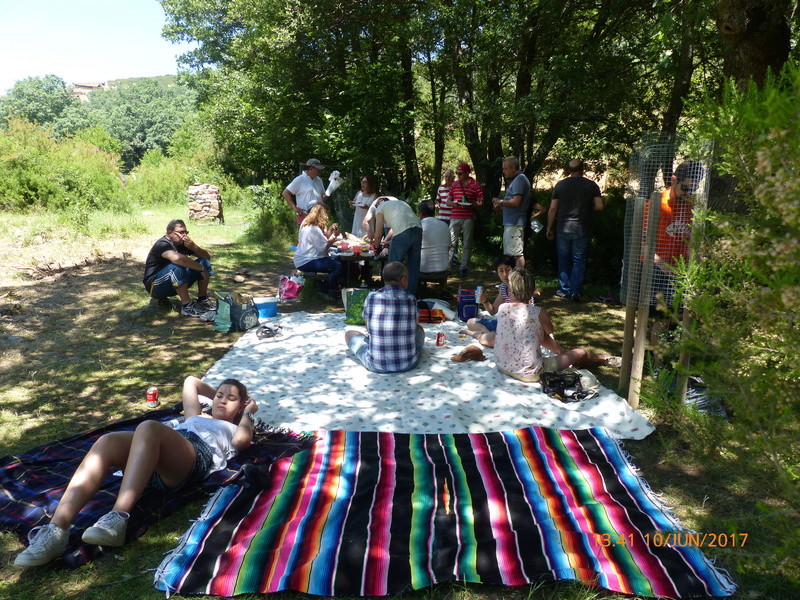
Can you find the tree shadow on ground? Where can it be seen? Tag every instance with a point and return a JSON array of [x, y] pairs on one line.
[[85, 345]]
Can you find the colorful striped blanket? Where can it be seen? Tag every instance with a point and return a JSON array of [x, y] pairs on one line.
[[32, 483], [372, 514]]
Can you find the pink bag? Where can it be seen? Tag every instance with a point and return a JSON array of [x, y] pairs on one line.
[[288, 289]]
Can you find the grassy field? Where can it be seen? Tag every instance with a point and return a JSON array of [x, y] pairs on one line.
[[78, 348]]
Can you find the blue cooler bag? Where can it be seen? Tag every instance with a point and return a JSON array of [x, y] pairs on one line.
[[467, 306]]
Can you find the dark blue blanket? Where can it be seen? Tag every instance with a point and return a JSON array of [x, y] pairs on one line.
[[32, 483]]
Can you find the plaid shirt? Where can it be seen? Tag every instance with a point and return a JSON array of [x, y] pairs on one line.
[[391, 318]]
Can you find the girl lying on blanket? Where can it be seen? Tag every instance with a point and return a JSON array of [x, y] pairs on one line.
[[523, 327], [154, 455]]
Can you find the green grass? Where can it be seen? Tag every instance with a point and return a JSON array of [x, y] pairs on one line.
[[81, 352]]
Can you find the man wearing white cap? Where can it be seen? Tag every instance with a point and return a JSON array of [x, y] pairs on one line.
[[305, 190]]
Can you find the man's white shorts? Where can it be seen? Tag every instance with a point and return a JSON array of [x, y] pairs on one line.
[[513, 240]]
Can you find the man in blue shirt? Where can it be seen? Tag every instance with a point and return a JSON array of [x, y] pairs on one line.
[[393, 343], [515, 205]]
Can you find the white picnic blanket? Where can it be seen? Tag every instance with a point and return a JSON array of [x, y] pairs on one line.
[[307, 379]]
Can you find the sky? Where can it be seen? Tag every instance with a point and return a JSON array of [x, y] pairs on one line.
[[84, 40]]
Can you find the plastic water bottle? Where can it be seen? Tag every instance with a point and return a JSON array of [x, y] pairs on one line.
[[536, 225]]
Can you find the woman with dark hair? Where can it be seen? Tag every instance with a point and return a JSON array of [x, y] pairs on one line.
[[154, 455], [312, 248], [361, 203]]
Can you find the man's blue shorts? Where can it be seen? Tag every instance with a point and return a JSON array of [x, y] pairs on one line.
[[172, 276]]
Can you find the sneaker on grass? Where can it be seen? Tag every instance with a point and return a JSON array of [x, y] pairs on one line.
[[192, 309], [206, 303], [109, 529], [47, 542]]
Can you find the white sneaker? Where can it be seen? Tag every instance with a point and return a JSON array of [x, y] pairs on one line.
[[47, 542], [109, 529]]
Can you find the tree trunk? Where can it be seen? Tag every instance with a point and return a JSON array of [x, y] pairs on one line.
[[409, 139], [682, 80], [438, 98], [554, 128], [757, 38]]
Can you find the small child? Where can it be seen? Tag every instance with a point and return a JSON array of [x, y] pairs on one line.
[[482, 329], [523, 330]]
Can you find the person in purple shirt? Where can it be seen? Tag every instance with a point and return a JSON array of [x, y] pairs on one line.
[[393, 342]]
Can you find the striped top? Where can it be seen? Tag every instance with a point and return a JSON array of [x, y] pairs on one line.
[[469, 192], [441, 198]]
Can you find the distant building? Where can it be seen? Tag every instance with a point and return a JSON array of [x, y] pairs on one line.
[[82, 90]]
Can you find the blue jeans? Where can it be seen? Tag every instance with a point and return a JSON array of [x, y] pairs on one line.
[[571, 249], [408, 245], [172, 276], [327, 264]]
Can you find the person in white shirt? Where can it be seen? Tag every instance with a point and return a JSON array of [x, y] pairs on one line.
[[305, 190], [154, 455], [406, 231], [435, 242], [361, 203], [312, 248]]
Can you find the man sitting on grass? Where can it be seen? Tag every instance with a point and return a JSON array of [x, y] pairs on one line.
[[394, 340], [168, 270]]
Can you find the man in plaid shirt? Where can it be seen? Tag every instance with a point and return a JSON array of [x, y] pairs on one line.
[[394, 340]]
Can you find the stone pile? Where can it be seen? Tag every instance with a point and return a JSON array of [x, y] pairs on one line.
[[205, 202]]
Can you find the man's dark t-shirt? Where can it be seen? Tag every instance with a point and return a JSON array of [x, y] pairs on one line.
[[576, 204], [155, 262]]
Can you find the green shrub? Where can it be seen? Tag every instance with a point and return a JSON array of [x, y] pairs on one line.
[[745, 292], [273, 218], [38, 172], [158, 181]]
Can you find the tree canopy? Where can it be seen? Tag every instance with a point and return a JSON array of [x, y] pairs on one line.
[[368, 84], [140, 114], [40, 100]]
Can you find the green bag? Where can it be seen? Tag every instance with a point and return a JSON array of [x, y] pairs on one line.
[[233, 316], [354, 306]]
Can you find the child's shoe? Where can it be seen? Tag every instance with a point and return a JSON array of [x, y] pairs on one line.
[[109, 529], [47, 542]]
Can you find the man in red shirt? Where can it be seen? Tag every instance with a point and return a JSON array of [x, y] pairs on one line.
[[466, 194]]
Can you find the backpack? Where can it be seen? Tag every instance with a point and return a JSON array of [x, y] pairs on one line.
[[467, 305]]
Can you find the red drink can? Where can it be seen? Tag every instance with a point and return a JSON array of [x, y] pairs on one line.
[[440, 339], [152, 397]]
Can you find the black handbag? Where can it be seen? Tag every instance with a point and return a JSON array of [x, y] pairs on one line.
[[565, 386]]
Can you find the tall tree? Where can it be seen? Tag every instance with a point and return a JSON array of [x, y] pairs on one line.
[[328, 79], [40, 100], [142, 115], [756, 35]]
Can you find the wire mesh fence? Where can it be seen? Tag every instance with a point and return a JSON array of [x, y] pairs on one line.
[[668, 188]]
